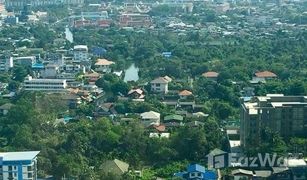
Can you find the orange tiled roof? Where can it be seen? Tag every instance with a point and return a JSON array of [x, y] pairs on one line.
[[210, 74], [265, 74], [185, 93]]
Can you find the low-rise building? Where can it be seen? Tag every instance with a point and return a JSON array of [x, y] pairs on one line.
[[25, 61], [6, 63], [134, 20], [18, 165], [103, 65], [4, 109], [211, 75], [48, 85], [263, 76], [160, 84], [150, 118]]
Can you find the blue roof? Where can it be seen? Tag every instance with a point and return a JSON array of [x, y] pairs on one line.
[[38, 66], [196, 167], [67, 118], [210, 175]]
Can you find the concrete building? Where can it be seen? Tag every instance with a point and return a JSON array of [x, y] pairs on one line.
[[6, 63], [134, 20], [103, 65], [18, 165], [160, 84], [81, 53], [48, 85], [150, 118], [25, 61], [286, 115]]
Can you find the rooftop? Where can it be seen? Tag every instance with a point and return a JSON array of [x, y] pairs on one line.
[[150, 115], [185, 93], [103, 62], [19, 156], [265, 74], [210, 74]]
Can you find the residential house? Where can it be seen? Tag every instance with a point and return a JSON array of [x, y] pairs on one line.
[[4, 109], [184, 94], [91, 77], [72, 100], [19, 165], [103, 65], [197, 172], [115, 167], [211, 75], [173, 120], [136, 94], [263, 76], [160, 84], [150, 118]]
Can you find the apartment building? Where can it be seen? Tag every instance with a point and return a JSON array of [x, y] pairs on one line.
[[6, 63], [25, 61], [48, 85], [286, 115], [18, 165], [81, 53]]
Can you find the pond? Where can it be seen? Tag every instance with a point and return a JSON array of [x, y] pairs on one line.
[[68, 35], [132, 73]]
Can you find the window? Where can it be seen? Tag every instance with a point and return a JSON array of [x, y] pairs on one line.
[[30, 175], [10, 168]]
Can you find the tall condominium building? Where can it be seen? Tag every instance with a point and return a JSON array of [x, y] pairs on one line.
[[47, 85], [18, 165], [286, 115]]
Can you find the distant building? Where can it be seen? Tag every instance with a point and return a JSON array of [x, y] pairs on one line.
[[47, 85], [263, 76], [115, 167], [197, 172], [283, 114], [25, 61], [81, 53], [19, 4], [6, 63], [160, 84], [50, 71], [103, 65], [150, 118], [4, 109], [211, 75], [18, 165], [96, 19], [134, 20]]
